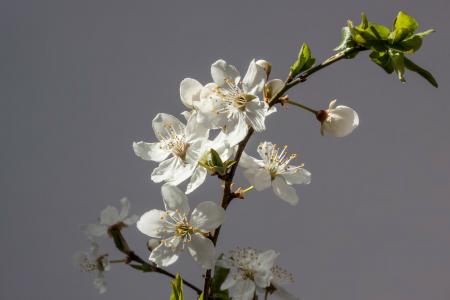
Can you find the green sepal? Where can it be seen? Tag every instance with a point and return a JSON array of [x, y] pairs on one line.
[[410, 65], [383, 60], [177, 288], [425, 33], [398, 62], [304, 61], [408, 45]]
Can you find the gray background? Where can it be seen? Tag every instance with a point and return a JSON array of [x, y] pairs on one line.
[[81, 80]]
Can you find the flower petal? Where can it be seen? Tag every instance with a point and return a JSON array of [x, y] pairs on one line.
[[229, 281], [236, 129], [297, 176], [341, 121], [131, 220], [243, 290], [190, 91], [256, 114], [152, 223], [259, 178], [263, 266], [254, 79], [248, 161], [174, 199], [197, 178], [150, 151], [282, 293], [207, 216], [165, 124], [284, 191], [95, 229], [202, 250], [221, 71], [164, 256], [109, 216], [125, 208], [165, 169]]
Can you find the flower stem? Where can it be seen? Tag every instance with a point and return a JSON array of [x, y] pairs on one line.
[[228, 195], [315, 112]]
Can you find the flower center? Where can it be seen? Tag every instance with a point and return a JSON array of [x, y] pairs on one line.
[[278, 161], [182, 227], [172, 141], [233, 96]]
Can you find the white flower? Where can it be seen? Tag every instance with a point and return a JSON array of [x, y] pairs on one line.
[[110, 216], [232, 104], [274, 170], [178, 232], [94, 263], [338, 121], [182, 142], [281, 277], [249, 269]]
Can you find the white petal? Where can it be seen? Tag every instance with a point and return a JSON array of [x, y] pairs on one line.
[[237, 129], [243, 290], [197, 178], [229, 281], [125, 208], [297, 176], [284, 191], [195, 130], [131, 220], [181, 171], [282, 293], [190, 91], [163, 256], [274, 86], [256, 114], [248, 161], [150, 151], [207, 216], [165, 170], [152, 223], [164, 123], [263, 266], [265, 151], [95, 229], [100, 283], [109, 216], [341, 121], [202, 250], [259, 178], [254, 79], [174, 199], [221, 70]]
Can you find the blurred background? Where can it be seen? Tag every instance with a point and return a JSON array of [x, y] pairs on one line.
[[81, 80]]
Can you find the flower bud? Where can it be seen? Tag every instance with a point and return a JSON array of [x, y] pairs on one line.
[[272, 87], [267, 66], [338, 121]]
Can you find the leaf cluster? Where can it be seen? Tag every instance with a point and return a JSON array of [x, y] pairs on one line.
[[388, 45]]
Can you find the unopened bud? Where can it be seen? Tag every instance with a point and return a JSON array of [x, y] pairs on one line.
[[267, 66], [152, 244]]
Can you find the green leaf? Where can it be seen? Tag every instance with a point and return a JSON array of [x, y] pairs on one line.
[[346, 39], [304, 61], [425, 33], [383, 60], [200, 297], [404, 26], [364, 23], [368, 38], [220, 274], [215, 159], [398, 62], [177, 288], [410, 65], [383, 31], [408, 45]]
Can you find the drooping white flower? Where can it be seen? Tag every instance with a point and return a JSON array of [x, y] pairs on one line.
[[110, 216], [231, 104], [249, 270], [92, 262], [183, 143], [274, 170], [177, 231], [338, 121]]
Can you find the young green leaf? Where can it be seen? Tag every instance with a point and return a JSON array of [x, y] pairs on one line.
[[408, 45], [398, 62], [177, 288], [346, 40], [404, 26], [383, 60], [410, 65], [425, 33], [200, 297], [215, 159], [220, 274], [304, 61]]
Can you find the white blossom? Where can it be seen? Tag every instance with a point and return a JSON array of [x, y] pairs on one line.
[[338, 121], [249, 270], [110, 216], [177, 231], [281, 277], [274, 170], [183, 143], [232, 104], [92, 262]]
